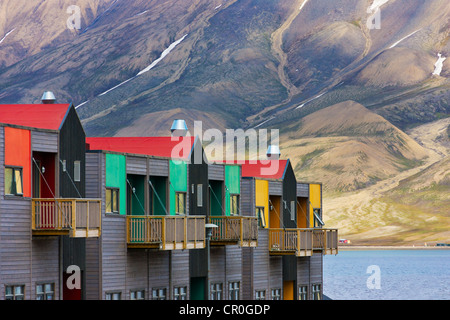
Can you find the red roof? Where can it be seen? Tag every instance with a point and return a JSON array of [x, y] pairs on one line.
[[41, 116], [265, 169], [167, 147]]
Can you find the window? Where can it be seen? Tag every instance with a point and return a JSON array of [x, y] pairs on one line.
[[199, 195], [260, 295], [292, 210], [13, 181], [276, 294], [233, 290], [316, 292], [137, 295], [45, 291], [303, 293], [112, 200], [113, 296], [159, 294], [15, 292], [179, 293], [234, 206], [180, 203], [77, 171], [216, 290], [261, 217]]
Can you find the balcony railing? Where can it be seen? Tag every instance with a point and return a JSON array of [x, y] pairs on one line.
[[302, 242], [78, 218], [235, 230], [166, 232]]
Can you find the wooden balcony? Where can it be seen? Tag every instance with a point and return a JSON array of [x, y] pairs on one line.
[[325, 240], [302, 242], [166, 232], [235, 230], [78, 218]]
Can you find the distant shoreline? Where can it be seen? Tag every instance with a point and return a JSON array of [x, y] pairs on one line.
[[350, 248]]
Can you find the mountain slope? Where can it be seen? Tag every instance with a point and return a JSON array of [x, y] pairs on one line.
[[349, 147], [408, 208], [250, 60]]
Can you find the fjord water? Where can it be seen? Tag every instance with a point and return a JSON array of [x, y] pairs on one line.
[[387, 275]]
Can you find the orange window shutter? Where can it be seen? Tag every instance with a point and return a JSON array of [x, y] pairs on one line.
[[18, 154]]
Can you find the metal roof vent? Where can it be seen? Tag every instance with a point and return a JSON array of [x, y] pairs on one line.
[[48, 98], [273, 152], [179, 128]]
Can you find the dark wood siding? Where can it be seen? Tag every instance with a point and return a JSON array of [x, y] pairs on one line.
[[158, 271], [44, 141], [45, 263], [289, 197], [158, 167], [303, 272], [72, 147], [95, 188], [275, 188], [290, 221], [233, 266], [303, 190], [216, 172], [316, 268], [289, 268], [15, 237], [198, 266], [136, 272], [198, 174], [136, 165], [93, 265], [179, 270], [94, 174], [248, 197], [218, 267], [247, 273], [114, 254], [261, 267], [275, 274]]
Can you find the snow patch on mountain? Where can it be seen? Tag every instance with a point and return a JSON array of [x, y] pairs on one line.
[[7, 34], [151, 66], [163, 55]]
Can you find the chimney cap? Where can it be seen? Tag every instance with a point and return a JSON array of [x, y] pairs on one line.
[[273, 151], [179, 128], [48, 97], [178, 124]]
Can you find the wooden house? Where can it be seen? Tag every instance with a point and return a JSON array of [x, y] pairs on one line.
[[129, 214], [45, 217], [234, 230], [148, 224], [285, 263]]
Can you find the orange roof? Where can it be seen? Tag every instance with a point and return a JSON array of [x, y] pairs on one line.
[[167, 147], [41, 116]]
